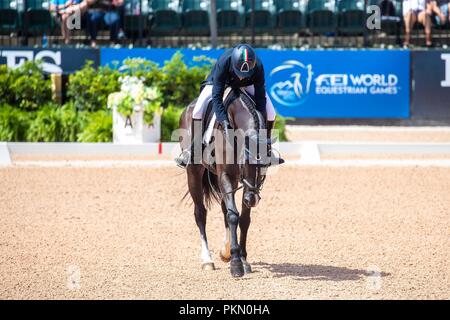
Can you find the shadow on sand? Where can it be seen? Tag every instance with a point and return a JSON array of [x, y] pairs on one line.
[[316, 272]]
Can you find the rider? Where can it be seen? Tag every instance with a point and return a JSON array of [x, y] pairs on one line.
[[238, 67]]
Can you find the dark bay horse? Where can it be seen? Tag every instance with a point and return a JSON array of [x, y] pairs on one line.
[[238, 161]]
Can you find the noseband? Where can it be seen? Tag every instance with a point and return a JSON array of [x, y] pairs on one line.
[[257, 187]]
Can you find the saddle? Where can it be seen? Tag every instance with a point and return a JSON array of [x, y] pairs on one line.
[[209, 118]]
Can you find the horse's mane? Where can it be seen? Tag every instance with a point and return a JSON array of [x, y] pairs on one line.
[[249, 104]]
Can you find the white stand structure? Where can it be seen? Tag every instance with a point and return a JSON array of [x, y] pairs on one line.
[[5, 158], [133, 129]]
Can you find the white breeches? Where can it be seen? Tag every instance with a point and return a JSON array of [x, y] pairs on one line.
[[206, 95]]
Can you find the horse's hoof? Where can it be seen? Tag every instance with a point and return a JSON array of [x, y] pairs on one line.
[[236, 269], [208, 266], [247, 268], [225, 254]]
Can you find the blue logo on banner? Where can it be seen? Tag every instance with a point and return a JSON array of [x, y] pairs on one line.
[[295, 84]]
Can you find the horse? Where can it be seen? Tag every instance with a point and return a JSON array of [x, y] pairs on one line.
[[210, 181]]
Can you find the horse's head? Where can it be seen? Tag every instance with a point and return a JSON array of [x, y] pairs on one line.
[[254, 164], [252, 144]]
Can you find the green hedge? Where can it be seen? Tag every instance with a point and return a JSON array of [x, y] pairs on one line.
[[28, 114]]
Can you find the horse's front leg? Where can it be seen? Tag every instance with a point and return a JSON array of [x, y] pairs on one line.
[[227, 186], [244, 224]]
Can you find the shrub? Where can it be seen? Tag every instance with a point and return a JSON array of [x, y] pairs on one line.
[[280, 125], [170, 121], [178, 83], [25, 87], [70, 123], [45, 125], [88, 88], [13, 123], [96, 126]]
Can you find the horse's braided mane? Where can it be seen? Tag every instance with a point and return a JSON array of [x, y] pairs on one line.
[[251, 108]]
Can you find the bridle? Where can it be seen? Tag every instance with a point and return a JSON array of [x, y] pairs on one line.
[[260, 178], [247, 185]]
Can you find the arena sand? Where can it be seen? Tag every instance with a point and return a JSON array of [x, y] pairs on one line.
[[331, 233]]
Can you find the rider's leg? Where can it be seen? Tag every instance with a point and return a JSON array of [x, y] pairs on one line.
[[270, 120], [192, 154], [271, 115], [187, 156], [270, 110], [202, 102]]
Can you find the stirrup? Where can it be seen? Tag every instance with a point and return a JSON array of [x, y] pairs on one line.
[[183, 159], [276, 161]]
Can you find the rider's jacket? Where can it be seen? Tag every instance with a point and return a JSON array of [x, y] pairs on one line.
[[222, 75]]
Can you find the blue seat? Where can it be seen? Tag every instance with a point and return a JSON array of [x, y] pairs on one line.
[[196, 17], [37, 22], [290, 18], [321, 17], [229, 16], [166, 18], [9, 21], [352, 17], [263, 15]]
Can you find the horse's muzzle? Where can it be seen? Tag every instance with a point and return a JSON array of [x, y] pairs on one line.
[[251, 199]]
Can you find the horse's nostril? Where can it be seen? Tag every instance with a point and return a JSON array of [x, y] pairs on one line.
[[250, 200]]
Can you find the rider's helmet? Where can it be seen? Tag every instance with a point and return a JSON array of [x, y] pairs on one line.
[[243, 60]]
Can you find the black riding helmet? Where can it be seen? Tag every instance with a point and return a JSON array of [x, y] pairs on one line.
[[243, 60]]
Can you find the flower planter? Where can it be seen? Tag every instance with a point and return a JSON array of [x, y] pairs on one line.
[[133, 129], [136, 112]]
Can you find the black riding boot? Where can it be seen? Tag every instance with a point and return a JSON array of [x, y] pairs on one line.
[[188, 156], [273, 160]]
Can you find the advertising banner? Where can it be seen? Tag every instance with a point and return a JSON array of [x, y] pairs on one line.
[[318, 84], [431, 84], [53, 60]]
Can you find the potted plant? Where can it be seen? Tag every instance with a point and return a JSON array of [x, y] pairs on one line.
[[136, 112]]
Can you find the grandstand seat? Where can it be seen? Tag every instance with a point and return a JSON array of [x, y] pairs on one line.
[[263, 15], [321, 17], [196, 17], [390, 26], [131, 25], [290, 18], [229, 16], [37, 21], [9, 21], [352, 17], [165, 17]]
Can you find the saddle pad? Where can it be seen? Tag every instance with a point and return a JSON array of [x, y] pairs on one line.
[[210, 127]]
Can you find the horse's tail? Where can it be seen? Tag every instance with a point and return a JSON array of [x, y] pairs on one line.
[[210, 188]]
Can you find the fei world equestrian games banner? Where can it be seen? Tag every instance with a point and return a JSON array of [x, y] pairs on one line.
[[318, 84]]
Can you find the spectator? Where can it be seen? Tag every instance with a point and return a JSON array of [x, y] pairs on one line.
[[58, 9], [440, 8], [387, 8], [415, 11], [105, 10], [389, 16]]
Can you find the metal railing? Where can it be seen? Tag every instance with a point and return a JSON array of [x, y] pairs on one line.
[[184, 23]]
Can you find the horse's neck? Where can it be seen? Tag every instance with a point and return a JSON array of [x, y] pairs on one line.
[[251, 120]]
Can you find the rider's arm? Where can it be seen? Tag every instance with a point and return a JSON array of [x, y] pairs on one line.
[[260, 91], [218, 91]]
